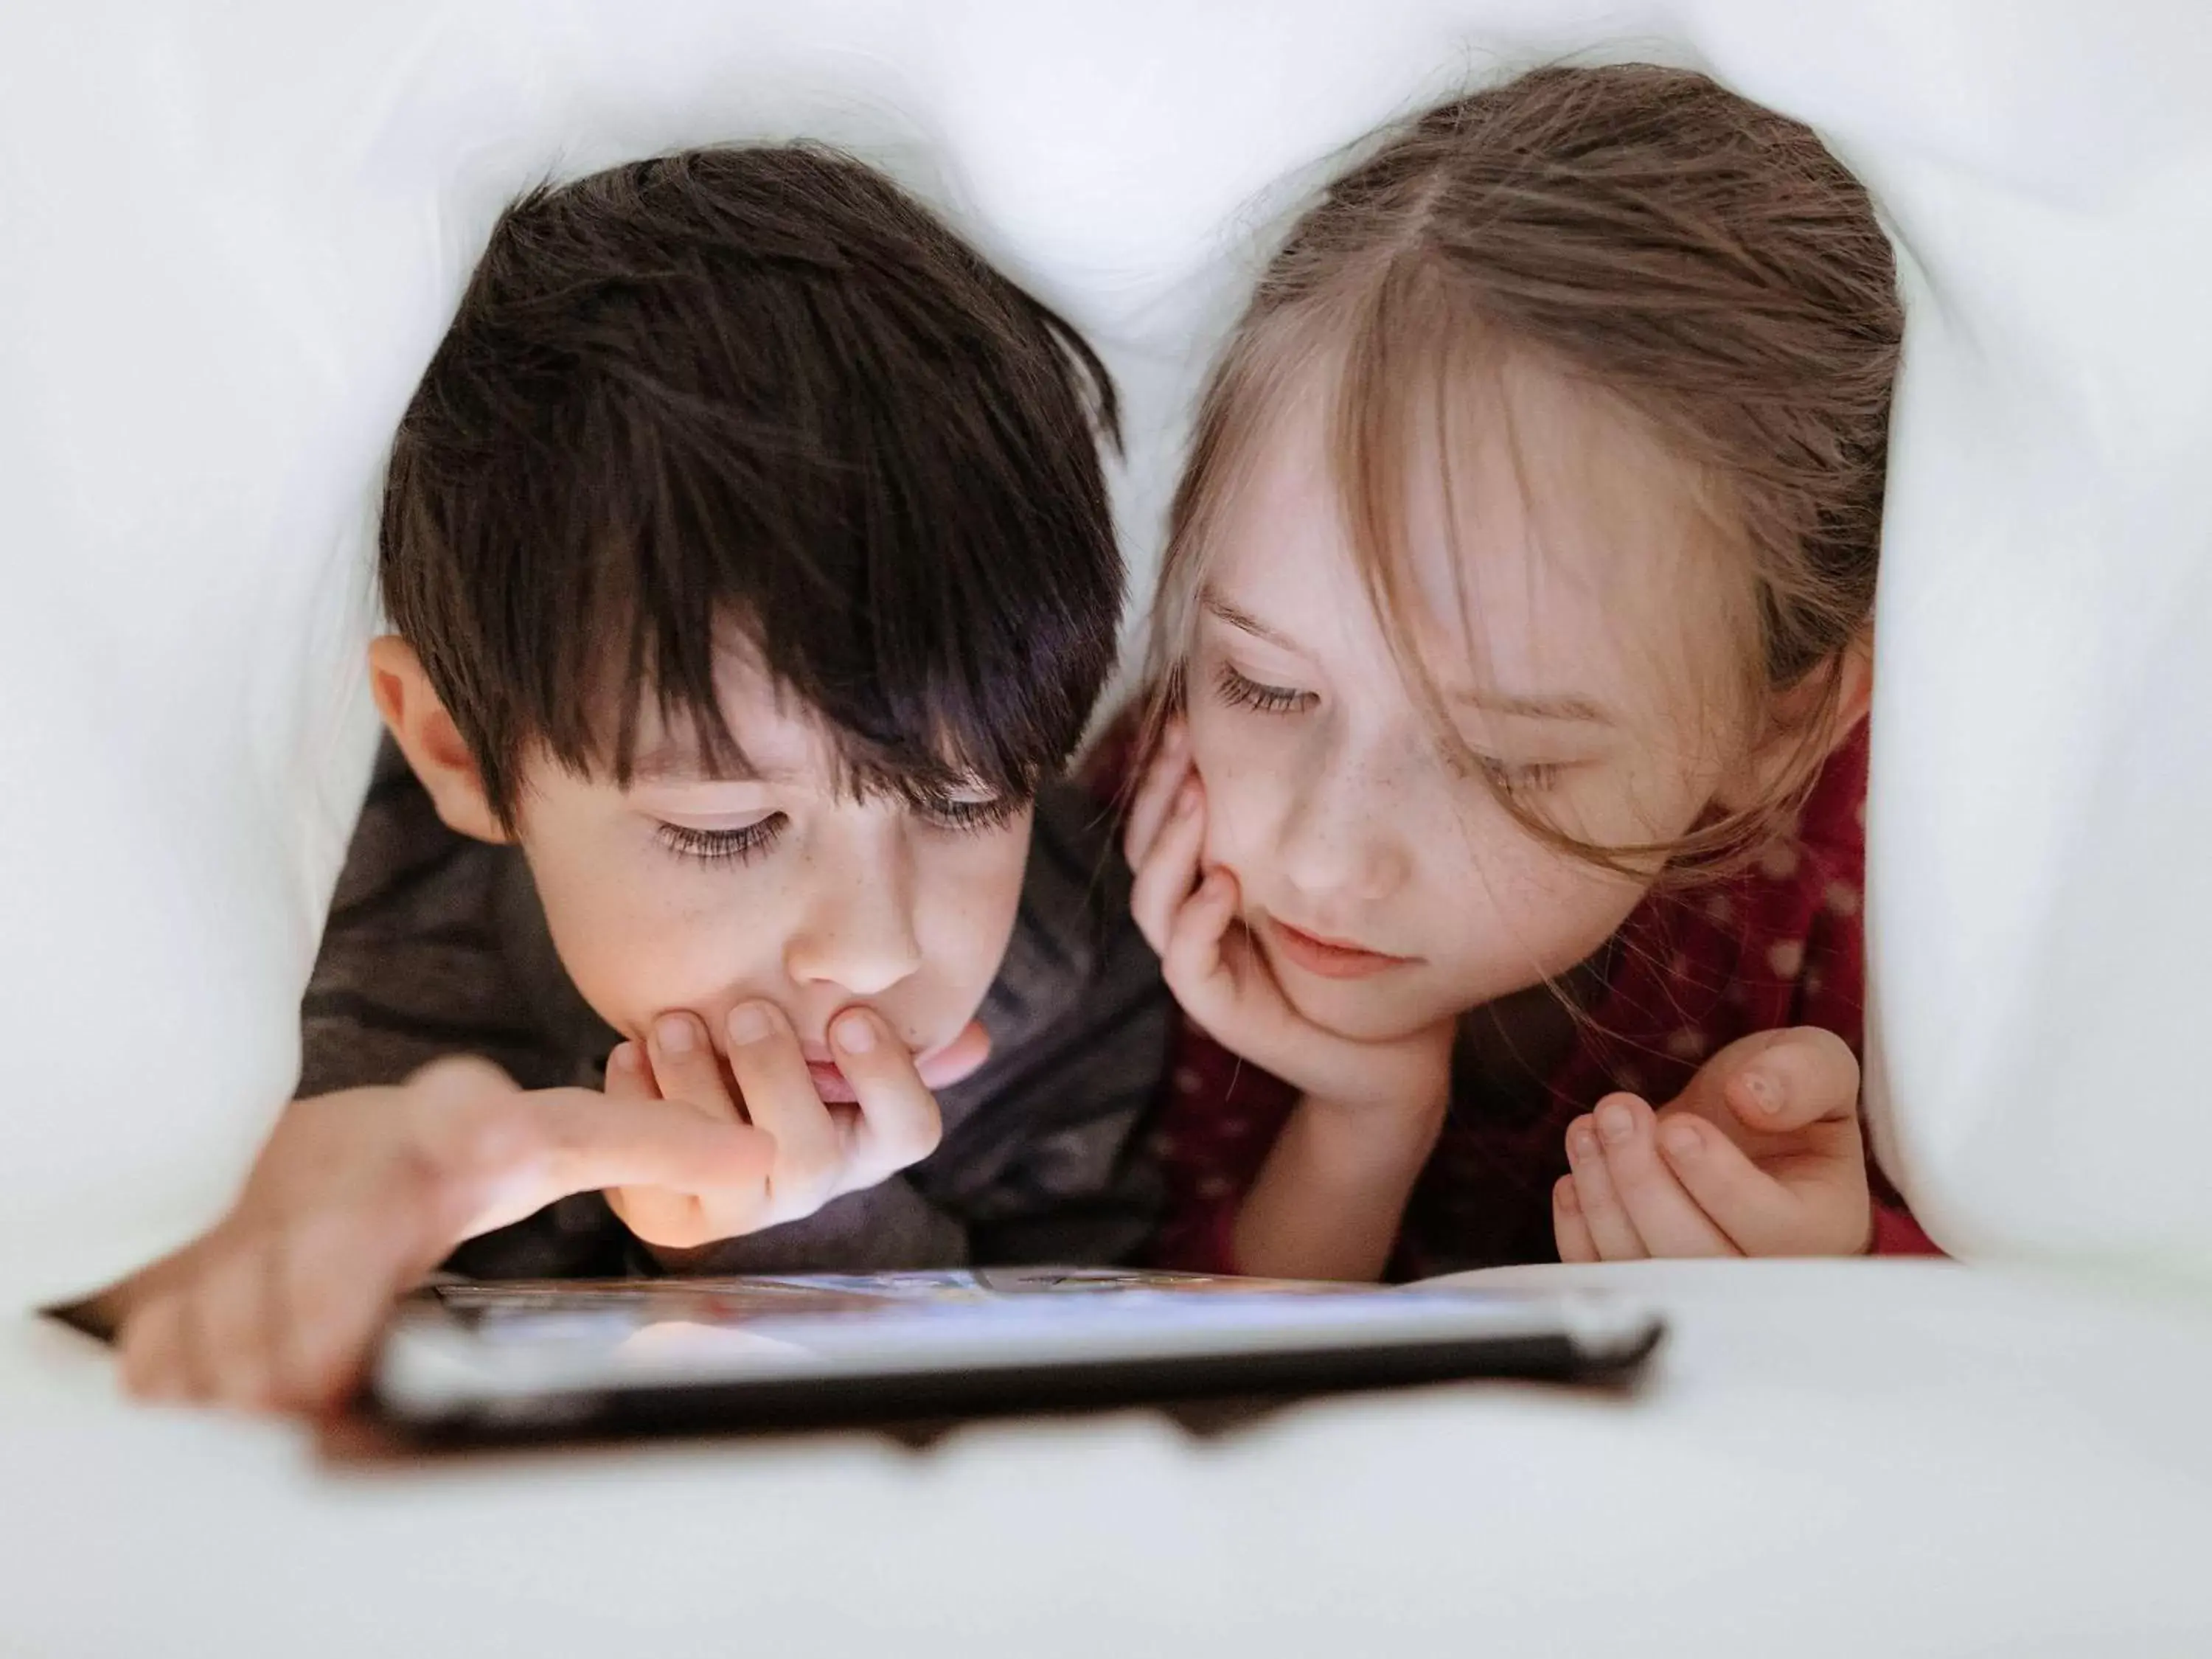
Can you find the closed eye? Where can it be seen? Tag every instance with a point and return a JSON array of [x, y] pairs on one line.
[[1521, 778], [1238, 692], [970, 816], [722, 845]]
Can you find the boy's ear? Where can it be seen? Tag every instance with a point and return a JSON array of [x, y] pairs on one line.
[[1784, 745], [426, 734]]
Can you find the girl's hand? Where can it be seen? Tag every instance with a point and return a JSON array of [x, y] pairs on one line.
[[1222, 980], [1761, 1155]]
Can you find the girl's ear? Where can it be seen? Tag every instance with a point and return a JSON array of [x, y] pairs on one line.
[[1785, 745], [428, 738]]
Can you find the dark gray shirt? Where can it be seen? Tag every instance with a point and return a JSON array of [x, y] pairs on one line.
[[437, 944]]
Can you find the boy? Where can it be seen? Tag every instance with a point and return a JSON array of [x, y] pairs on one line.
[[751, 574]]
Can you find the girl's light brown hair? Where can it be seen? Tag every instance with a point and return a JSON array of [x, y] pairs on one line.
[[1700, 260]]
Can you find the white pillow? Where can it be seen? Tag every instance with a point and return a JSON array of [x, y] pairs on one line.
[[232, 236]]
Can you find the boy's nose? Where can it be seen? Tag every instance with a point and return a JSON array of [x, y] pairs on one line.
[[859, 935]]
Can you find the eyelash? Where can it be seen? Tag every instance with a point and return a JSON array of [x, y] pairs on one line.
[[754, 840], [1532, 779], [721, 846], [1239, 692]]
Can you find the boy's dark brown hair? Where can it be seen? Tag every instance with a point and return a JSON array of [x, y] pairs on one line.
[[1649, 235], [759, 395]]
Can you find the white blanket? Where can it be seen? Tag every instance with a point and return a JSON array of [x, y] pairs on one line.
[[230, 234]]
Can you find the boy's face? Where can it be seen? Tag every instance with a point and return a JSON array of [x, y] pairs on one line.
[[690, 891]]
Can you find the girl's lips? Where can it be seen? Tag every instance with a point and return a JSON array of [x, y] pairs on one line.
[[1328, 958]]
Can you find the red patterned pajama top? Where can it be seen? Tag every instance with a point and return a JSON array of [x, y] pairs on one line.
[[1780, 944]]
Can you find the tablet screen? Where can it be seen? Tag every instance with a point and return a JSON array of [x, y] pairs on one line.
[[473, 1349]]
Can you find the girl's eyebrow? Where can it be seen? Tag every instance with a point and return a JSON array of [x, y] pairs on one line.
[[1534, 708], [1212, 601]]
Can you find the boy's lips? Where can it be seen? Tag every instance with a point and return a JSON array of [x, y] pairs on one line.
[[1326, 957], [940, 1068]]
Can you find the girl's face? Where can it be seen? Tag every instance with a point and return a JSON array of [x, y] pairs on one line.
[[1580, 650]]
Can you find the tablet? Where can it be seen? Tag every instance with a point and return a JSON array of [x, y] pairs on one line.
[[528, 1359]]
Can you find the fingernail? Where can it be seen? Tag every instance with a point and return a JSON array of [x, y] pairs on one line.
[[1615, 1122], [1581, 1142], [1187, 800], [1765, 1092], [624, 1058], [749, 1023], [674, 1033], [855, 1031], [1681, 1137]]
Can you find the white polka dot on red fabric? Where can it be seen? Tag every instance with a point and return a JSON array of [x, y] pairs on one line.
[[1163, 1146], [1815, 982], [1735, 992], [1859, 813], [1628, 1080], [1186, 1080], [1785, 956], [1779, 860], [1720, 909], [1842, 897], [1214, 1186], [1231, 1128], [1688, 1044]]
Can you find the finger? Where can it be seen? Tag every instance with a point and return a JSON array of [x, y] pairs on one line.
[[152, 1349], [1775, 1081], [958, 1059], [1164, 772], [629, 1076], [656, 1214], [1759, 1214], [1163, 881], [335, 1286], [1611, 1233], [1568, 1230], [1191, 959], [1794, 1080], [578, 1141], [1666, 1217], [898, 1123], [780, 1098], [685, 1068], [232, 1319]]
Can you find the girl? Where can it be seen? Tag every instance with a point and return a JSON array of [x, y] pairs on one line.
[[1512, 652]]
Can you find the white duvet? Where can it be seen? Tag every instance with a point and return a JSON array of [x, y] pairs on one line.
[[230, 234]]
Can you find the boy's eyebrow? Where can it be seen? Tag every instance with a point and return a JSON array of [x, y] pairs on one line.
[[682, 762]]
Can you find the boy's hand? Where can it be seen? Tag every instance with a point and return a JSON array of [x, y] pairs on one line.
[[1760, 1156], [357, 1194], [821, 1152], [1221, 978]]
